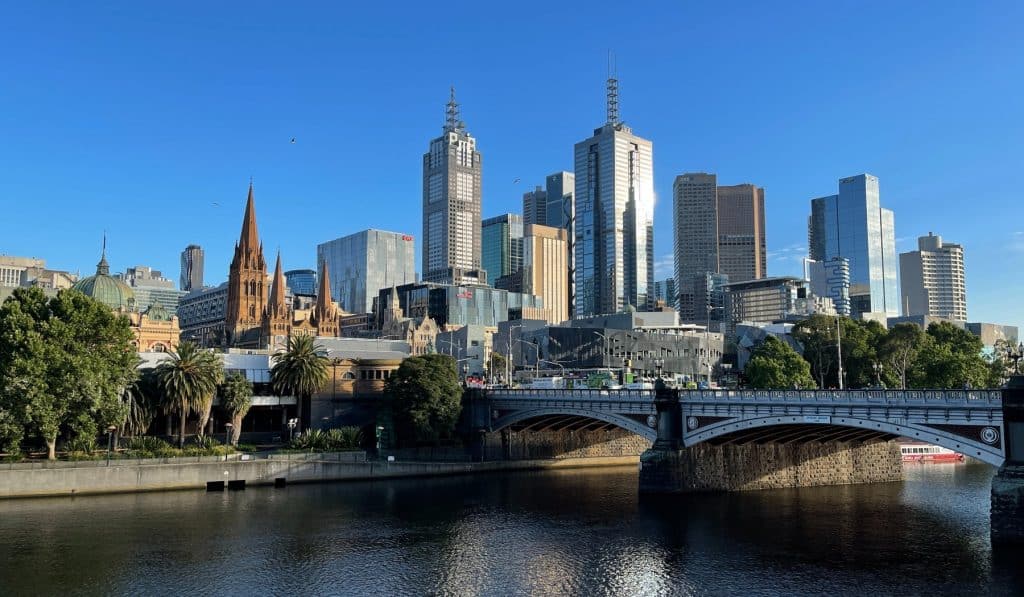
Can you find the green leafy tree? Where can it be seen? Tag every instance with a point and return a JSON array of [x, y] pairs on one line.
[[143, 401], [188, 381], [236, 399], [300, 371], [64, 365], [949, 357], [817, 336], [427, 397], [899, 349], [774, 365]]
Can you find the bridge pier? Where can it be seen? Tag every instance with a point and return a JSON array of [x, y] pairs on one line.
[[1007, 513], [661, 469]]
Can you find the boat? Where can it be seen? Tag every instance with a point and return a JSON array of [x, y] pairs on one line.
[[928, 453]]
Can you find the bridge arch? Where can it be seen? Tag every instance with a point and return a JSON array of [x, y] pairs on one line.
[[620, 421], [747, 429]]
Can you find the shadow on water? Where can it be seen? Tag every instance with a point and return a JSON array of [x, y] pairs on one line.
[[556, 532]]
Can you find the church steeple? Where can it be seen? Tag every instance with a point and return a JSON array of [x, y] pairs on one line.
[[277, 293], [250, 238], [326, 314]]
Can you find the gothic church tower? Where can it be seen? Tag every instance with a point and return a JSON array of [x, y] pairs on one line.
[[247, 285]]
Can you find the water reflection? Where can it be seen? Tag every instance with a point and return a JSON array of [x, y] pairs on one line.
[[581, 532]]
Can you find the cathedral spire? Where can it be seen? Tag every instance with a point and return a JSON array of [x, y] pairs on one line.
[[277, 290], [250, 238], [323, 297]]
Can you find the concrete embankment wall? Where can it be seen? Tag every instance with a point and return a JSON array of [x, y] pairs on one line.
[[744, 467], [95, 477]]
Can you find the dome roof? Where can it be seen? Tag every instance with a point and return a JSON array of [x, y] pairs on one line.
[[105, 288], [156, 312]]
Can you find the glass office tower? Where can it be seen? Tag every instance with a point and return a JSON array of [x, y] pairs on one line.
[[614, 230], [854, 226], [361, 264], [502, 246]]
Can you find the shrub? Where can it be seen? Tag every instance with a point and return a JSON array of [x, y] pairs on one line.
[[205, 442], [81, 446], [316, 440], [150, 447], [345, 438]]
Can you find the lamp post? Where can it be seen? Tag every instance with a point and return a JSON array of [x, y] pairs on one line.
[[380, 431], [839, 349], [878, 373], [555, 363], [227, 433], [1015, 355], [110, 441], [291, 428]]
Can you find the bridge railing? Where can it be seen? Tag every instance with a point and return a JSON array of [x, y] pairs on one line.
[[979, 397]]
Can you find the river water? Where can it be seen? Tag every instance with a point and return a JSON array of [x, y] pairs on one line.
[[578, 531]]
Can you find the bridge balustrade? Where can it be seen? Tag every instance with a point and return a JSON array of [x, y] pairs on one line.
[[924, 397]]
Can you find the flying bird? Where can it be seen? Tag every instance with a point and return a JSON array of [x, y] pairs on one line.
[[293, 139], [215, 204], [516, 181]]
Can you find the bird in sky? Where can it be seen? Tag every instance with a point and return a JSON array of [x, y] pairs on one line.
[[516, 181], [293, 140], [215, 204]]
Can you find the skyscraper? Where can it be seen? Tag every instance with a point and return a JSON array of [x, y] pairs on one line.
[[363, 263], [545, 263], [301, 281], [191, 269], [742, 250], [853, 225], [502, 246], [535, 207], [718, 230], [932, 279], [452, 171], [831, 279], [614, 228]]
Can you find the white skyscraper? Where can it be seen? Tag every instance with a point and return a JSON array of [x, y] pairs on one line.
[[932, 279], [614, 218], [451, 204]]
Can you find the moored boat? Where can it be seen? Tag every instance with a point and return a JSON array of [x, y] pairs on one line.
[[928, 453]]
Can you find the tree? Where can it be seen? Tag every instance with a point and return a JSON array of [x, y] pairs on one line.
[[776, 366], [949, 357], [301, 371], [817, 336], [900, 348], [188, 381], [236, 399], [143, 400], [427, 397], [64, 366]]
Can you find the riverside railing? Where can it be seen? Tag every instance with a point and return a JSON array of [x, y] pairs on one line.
[[986, 397]]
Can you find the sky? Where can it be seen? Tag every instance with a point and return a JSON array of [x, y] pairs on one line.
[[147, 120]]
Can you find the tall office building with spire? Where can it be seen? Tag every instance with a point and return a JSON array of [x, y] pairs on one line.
[[614, 217], [452, 171]]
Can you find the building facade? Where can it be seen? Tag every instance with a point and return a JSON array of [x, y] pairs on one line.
[[452, 191], [535, 207], [932, 279], [151, 288], [831, 279], [770, 300], [614, 218], [853, 225], [191, 277], [502, 246], [545, 269], [364, 263], [455, 306], [12, 269], [202, 313], [718, 230], [665, 292], [301, 281]]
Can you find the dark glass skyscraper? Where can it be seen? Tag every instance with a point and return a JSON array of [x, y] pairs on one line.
[[191, 277]]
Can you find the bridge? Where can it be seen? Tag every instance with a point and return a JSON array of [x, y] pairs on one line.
[[751, 439], [966, 421]]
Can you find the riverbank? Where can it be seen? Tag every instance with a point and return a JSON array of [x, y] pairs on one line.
[[42, 479]]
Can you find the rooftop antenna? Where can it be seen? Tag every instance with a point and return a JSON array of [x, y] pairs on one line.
[[613, 91], [451, 113]]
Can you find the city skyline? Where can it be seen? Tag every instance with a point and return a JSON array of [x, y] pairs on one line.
[[91, 158]]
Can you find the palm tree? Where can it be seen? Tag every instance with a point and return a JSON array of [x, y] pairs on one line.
[[143, 398], [236, 399], [299, 371], [188, 381]]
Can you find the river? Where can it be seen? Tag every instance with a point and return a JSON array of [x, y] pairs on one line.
[[582, 531]]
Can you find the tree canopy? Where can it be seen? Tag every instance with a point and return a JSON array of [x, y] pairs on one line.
[[776, 366], [427, 397], [188, 381], [300, 370], [65, 363]]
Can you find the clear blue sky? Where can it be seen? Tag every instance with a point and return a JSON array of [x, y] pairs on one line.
[[147, 119]]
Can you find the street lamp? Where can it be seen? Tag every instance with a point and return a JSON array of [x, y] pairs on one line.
[[227, 433], [878, 373], [380, 431], [110, 441], [1015, 355], [291, 428], [555, 363]]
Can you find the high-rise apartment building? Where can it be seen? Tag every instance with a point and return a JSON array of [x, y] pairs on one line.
[[665, 292], [614, 223], [191, 277], [545, 263], [502, 246], [932, 279], [853, 225], [452, 170], [830, 279], [360, 265], [718, 230]]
